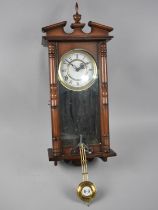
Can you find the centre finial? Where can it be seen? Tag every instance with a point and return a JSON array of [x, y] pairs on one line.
[[76, 8], [77, 16]]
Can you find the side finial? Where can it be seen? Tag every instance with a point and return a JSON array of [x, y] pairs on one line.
[[77, 16]]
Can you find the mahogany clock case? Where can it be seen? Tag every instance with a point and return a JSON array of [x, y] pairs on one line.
[[78, 113]]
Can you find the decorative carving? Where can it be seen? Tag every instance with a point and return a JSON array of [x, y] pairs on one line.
[[59, 42], [104, 94], [54, 101], [53, 85], [56, 31], [104, 85], [77, 26], [77, 16], [51, 50], [56, 143], [105, 146], [103, 50]]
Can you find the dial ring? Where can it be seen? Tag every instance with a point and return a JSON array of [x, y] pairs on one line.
[[82, 70]]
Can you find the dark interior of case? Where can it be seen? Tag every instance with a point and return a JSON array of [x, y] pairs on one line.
[[79, 115]]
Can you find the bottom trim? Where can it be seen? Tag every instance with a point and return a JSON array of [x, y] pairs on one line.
[[102, 155]]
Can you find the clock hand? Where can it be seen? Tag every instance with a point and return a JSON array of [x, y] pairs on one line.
[[81, 67], [71, 64]]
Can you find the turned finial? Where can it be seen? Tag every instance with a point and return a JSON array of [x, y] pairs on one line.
[[77, 16], [76, 7]]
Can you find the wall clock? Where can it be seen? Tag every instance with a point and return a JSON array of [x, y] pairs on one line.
[[78, 90]]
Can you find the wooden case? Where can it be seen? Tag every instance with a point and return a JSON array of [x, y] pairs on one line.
[[59, 42]]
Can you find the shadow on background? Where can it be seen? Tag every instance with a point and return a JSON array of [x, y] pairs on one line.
[[70, 193], [100, 195]]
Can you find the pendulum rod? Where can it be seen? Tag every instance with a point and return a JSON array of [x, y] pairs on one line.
[[83, 162], [86, 190]]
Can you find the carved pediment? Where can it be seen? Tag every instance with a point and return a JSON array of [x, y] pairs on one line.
[[57, 32]]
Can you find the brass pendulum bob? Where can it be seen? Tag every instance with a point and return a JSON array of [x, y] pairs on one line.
[[86, 190]]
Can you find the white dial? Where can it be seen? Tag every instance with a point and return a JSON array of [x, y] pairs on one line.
[[77, 70], [86, 191]]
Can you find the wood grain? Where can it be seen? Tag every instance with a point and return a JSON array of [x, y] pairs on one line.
[[95, 42]]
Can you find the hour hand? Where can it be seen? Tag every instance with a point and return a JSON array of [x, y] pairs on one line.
[[73, 66], [81, 67]]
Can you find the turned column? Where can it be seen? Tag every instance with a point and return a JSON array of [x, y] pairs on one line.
[[104, 112], [54, 100]]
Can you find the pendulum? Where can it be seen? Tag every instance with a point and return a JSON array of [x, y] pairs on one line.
[[86, 190]]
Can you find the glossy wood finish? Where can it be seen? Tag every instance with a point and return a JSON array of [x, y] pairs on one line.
[[56, 32], [104, 112], [95, 42], [54, 100], [68, 156]]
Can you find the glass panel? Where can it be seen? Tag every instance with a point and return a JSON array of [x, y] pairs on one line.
[[79, 115]]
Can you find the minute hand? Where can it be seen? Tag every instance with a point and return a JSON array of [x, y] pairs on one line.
[[72, 65]]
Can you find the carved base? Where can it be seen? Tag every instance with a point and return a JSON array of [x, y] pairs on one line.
[[76, 158]]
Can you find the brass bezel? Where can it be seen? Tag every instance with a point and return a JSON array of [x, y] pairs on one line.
[[83, 184], [95, 75]]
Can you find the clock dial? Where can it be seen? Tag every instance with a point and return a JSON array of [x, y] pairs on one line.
[[77, 70]]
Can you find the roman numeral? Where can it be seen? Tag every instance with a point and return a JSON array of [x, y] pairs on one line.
[[66, 78]]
